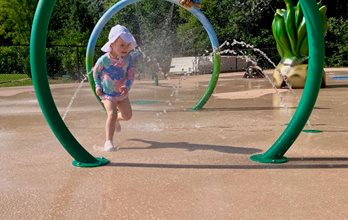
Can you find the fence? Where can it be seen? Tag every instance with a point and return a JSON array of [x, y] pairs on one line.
[[62, 60], [68, 61]]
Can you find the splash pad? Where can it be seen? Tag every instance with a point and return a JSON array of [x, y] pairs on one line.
[[84, 159], [40, 80]]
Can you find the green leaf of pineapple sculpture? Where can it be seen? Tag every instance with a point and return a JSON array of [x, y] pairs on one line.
[[290, 33]]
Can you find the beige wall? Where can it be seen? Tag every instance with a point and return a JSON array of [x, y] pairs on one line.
[[205, 64]]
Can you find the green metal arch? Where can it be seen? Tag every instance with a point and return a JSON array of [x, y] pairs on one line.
[[43, 93], [38, 65], [275, 154]]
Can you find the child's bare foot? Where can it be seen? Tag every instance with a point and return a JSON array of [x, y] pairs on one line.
[[108, 146]]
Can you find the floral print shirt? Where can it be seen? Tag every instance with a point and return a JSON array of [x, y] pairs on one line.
[[111, 74]]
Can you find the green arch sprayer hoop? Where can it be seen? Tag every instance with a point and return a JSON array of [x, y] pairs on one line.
[[38, 65], [43, 93], [196, 12], [275, 154]]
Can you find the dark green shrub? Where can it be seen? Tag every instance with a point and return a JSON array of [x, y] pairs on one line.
[[336, 42]]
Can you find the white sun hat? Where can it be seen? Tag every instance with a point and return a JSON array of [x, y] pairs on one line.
[[119, 31]]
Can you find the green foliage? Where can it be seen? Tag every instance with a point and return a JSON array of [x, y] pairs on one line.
[[162, 30], [15, 19], [289, 30], [11, 77], [7, 80], [154, 24], [232, 19], [71, 24], [70, 27], [13, 59], [336, 42], [191, 35]]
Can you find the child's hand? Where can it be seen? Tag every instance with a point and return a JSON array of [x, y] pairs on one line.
[[99, 91], [123, 90]]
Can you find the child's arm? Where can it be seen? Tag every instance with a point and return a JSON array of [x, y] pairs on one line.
[[97, 72]]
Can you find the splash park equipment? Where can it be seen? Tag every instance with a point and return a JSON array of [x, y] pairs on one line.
[[82, 158], [315, 29], [38, 66], [195, 11], [289, 31]]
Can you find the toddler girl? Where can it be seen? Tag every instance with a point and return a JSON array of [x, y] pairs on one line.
[[113, 75]]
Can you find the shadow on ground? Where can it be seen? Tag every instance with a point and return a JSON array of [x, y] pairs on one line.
[[293, 163], [193, 147]]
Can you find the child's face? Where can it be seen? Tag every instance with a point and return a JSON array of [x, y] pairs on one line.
[[120, 47]]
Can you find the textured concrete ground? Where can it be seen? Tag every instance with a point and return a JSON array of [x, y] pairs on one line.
[[174, 163]]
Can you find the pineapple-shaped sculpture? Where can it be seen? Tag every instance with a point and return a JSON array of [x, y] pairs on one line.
[[290, 33]]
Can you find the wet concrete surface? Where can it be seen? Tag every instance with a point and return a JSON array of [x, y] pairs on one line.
[[174, 163]]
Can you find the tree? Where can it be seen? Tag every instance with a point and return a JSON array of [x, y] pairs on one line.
[[153, 23], [336, 42], [70, 27], [337, 8], [248, 21], [15, 20]]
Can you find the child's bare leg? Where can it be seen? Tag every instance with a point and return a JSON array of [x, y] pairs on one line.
[[124, 110], [111, 111]]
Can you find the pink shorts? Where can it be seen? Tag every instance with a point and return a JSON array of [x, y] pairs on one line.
[[114, 98]]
